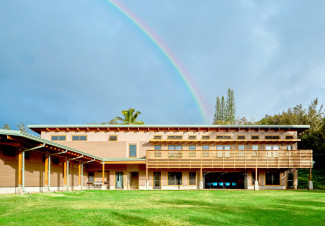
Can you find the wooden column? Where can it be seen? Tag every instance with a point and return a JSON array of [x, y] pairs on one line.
[[147, 179], [79, 173], [201, 181], [46, 170], [65, 174], [310, 175], [103, 173], [20, 166]]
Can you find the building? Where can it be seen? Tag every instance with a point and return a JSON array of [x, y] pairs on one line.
[[74, 157]]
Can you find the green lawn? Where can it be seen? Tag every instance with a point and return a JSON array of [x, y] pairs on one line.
[[206, 207]]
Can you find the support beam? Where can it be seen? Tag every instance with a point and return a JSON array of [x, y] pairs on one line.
[[46, 170], [256, 185], [147, 179], [79, 174], [64, 175], [20, 167], [310, 183], [201, 179], [103, 177]]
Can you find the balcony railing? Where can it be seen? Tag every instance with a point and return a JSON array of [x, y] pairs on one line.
[[231, 159]]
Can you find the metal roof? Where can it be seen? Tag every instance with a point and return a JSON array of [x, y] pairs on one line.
[[167, 126]]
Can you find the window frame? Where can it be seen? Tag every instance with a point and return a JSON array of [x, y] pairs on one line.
[[255, 135], [155, 137], [181, 173], [286, 137], [109, 138], [168, 137], [241, 136], [273, 179], [192, 178], [136, 150], [79, 137], [223, 135], [194, 137], [205, 137], [65, 137]]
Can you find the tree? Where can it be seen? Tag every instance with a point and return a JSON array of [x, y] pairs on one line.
[[130, 117], [222, 109], [230, 110], [6, 126], [314, 138], [217, 114], [22, 127]]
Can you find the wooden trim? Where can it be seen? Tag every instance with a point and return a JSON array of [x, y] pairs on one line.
[[58, 136], [103, 174], [20, 165], [65, 172], [79, 138], [46, 170], [79, 174], [125, 162]]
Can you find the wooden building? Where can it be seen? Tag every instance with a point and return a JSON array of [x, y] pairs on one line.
[[74, 157]]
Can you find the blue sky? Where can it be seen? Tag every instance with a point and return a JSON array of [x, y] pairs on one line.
[[82, 61]]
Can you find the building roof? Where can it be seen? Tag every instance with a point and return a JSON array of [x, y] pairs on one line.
[[109, 127]]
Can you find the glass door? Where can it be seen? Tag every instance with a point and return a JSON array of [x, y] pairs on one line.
[[157, 180], [119, 180], [290, 181]]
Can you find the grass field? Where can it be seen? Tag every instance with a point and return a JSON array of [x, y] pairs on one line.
[[214, 207]]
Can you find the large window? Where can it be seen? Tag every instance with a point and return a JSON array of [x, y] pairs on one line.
[[132, 150], [158, 147], [175, 178], [223, 147], [205, 147], [272, 137], [272, 147], [192, 147], [174, 137], [58, 138], [253, 177], [241, 147], [254, 147], [192, 178], [272, 178], [157, 152], [157, 137], [175, 147], [223, 137], [79, 138]]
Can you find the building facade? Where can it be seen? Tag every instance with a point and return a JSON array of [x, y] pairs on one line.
[[152, 157]]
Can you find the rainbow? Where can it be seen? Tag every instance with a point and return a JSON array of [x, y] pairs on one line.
[[186, 77]]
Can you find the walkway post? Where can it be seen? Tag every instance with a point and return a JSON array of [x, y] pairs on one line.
[[147, 179], [20, 166], [103, 175], [256, 186], [46, 170], [201, 179], [310, 183]]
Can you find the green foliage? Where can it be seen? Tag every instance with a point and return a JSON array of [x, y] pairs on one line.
[[6, 126], [314, 138], [318, 178], [225, 109], [214, 207], [129, 118], [22, 127]]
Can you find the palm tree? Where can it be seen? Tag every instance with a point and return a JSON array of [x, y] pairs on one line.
[[130, 117]]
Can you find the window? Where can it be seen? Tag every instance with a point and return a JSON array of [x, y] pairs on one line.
[[223, 137], [272, 147], [192, 147], [174, 137], [79, 138], [59, 138], [174, 178], [241, 137], [223, 147], [192, 137], [272, 178], [272, 137], [205, 154], [175, 147], [132, 150], [192, 178], [157, 154], [289, 147], [254, 147], [289, 137], [241, 147], [112, 138], [205, 147], [157, 137], [253, 177], [175, 154], [255, 137], [205, 137]]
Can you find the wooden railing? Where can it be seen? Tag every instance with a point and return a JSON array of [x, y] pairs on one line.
[[233, 159]]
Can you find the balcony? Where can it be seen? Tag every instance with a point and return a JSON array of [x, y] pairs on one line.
[[223, 141], [233, 159]]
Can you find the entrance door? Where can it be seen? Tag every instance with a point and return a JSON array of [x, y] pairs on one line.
[[119, 180], [157, 180], [134, 182], [290, 181], [91, 177]]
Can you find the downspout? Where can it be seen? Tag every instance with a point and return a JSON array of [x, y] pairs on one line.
[[68, 169], [49, 170], [23, 163]]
